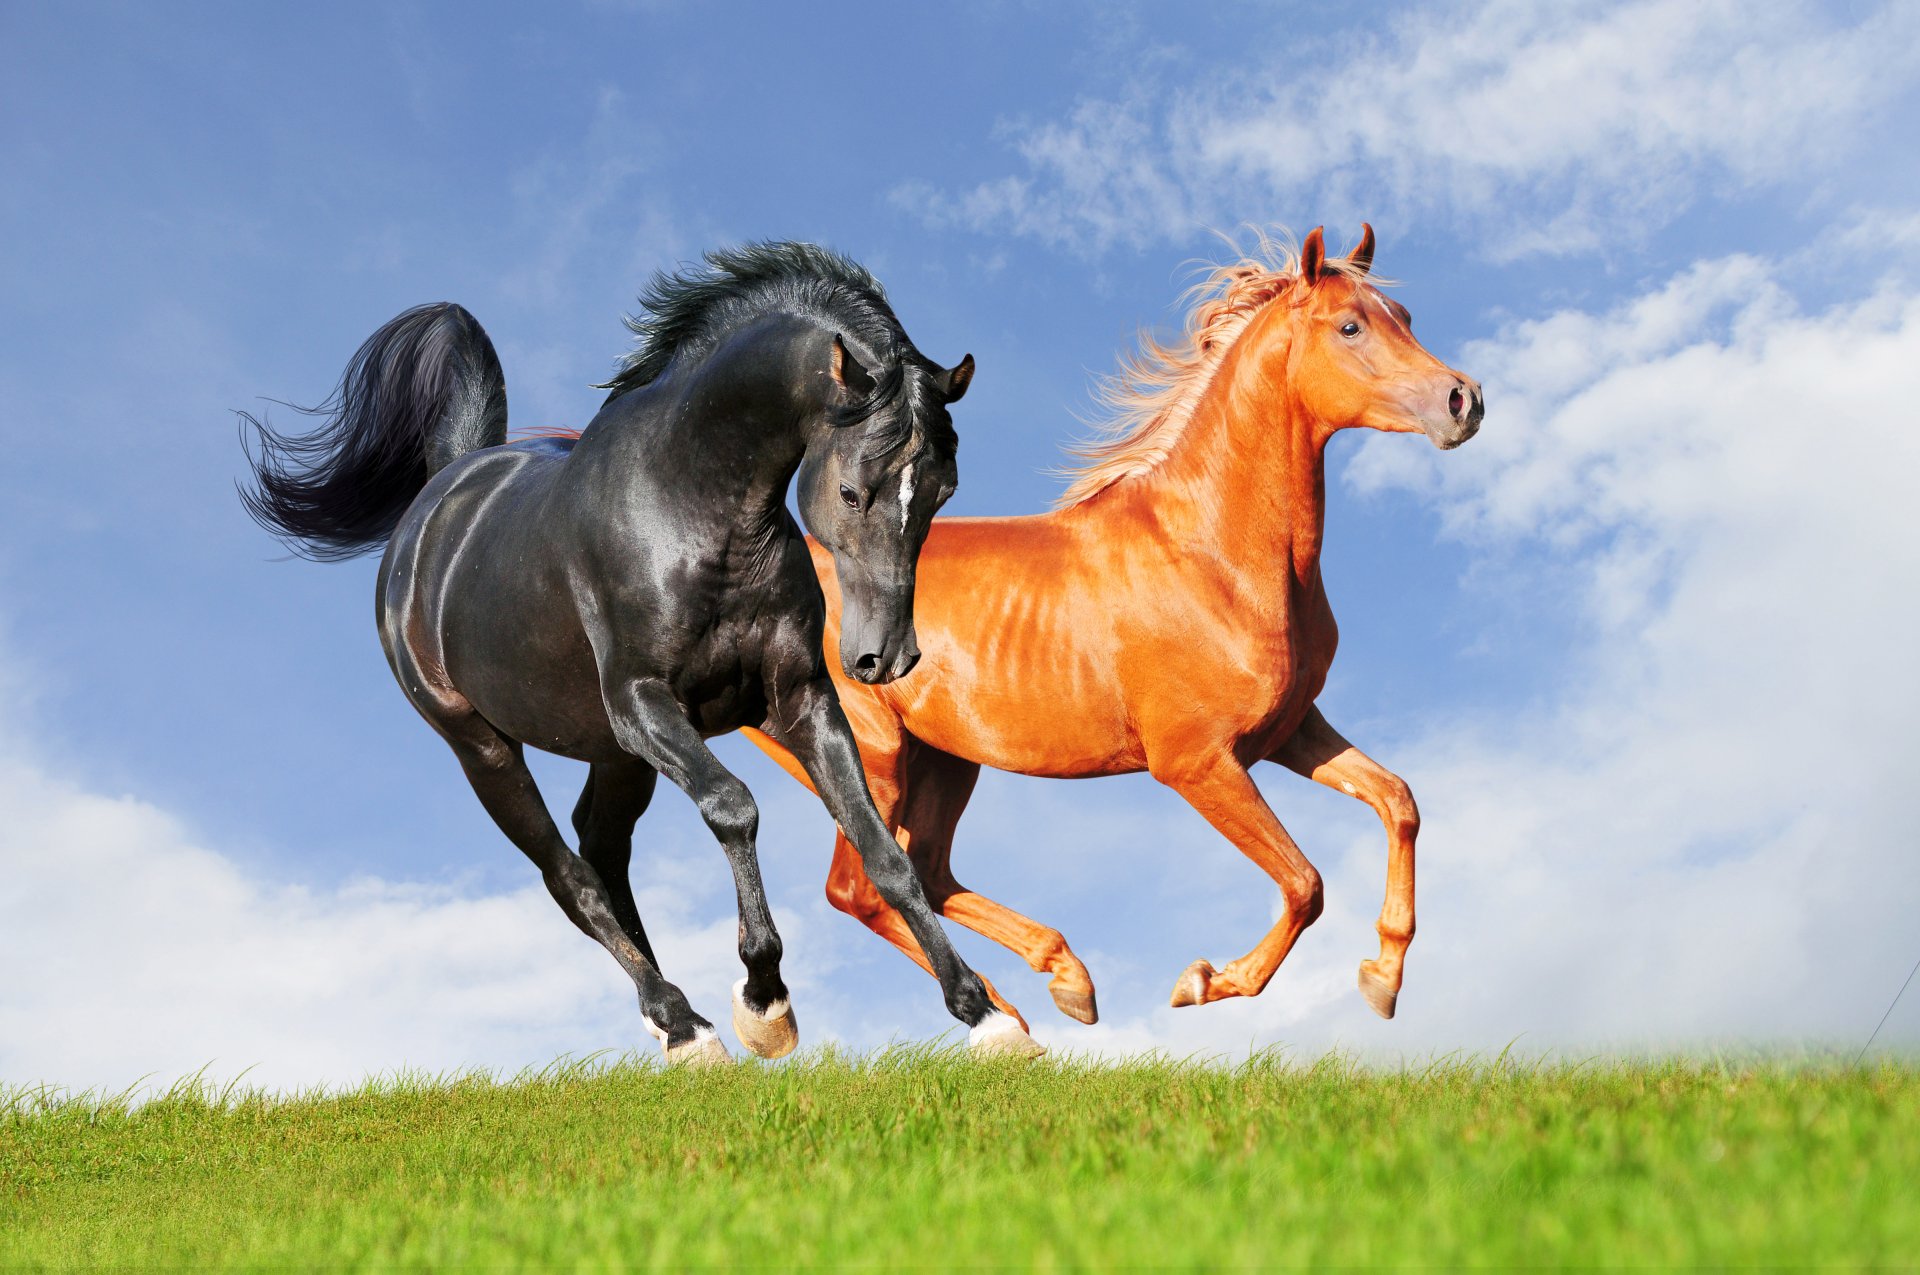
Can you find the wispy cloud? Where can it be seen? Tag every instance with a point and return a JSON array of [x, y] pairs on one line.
[[1545, 128]]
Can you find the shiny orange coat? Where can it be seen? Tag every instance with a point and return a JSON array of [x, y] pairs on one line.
[[1169, 617]]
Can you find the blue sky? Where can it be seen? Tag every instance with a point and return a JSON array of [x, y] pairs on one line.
[[1641, 648]]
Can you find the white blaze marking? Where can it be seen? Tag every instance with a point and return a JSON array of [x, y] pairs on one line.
[[906, 497]]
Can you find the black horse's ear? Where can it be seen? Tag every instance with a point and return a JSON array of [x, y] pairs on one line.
[[847, 372], [1361, 258], [1313, 256], [958, 378]]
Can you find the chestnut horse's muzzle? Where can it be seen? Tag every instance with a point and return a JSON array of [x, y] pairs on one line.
[[1465, 406]]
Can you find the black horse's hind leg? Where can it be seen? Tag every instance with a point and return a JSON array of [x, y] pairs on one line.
[[815, 728], [650, 723], [497, 769], [615, 796]]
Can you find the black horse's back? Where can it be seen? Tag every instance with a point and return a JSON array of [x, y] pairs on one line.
[[422, 391]]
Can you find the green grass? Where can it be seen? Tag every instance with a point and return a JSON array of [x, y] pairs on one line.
[[922, 1158]]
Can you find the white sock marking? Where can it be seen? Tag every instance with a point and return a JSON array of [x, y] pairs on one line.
[[776, 1010], [994, 1024]]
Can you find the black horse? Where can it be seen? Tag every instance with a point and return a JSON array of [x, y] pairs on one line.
[[621, 597]]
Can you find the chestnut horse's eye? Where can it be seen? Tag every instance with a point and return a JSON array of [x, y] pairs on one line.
[[849, 497], [1350, 328]]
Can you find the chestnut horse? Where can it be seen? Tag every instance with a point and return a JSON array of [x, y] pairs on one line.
[[1167, 616]]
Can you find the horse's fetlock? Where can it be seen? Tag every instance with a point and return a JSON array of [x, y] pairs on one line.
[[967, 999], [761, 950]]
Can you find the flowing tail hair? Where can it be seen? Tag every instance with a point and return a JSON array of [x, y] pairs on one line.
[[424, 390]]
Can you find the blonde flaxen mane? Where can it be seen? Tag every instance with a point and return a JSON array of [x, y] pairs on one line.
[[1152, 397]]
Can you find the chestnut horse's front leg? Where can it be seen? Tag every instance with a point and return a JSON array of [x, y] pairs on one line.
[[812, 725], [1219, 787], [1323, 755]]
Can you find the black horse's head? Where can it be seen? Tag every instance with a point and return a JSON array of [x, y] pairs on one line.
[[879, 445], [878, 465]]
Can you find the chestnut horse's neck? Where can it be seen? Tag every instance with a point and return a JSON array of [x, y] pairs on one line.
[[1245, 481]]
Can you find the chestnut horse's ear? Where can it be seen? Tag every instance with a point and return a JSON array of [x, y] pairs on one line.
[[958, 379], [1361, 258], [847, 372], [1313, 256]]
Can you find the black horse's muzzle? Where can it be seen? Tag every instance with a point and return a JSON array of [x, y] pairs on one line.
[[877, 641], [891, 661]]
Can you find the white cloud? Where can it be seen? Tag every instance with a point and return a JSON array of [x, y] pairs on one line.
[[133, 949], [1546, 127], [1703, 832]]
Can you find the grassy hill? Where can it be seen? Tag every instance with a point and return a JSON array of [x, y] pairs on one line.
[[924, 1158]]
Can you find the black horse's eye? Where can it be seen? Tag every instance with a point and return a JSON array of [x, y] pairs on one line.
[[849, 497], [1350, 328]]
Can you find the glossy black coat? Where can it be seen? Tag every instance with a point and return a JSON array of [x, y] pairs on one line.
[[621, 597]]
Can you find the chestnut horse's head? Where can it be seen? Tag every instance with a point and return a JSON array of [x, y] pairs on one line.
[[1354, 360]]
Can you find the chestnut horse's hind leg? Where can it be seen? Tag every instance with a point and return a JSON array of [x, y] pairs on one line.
[[1319, 752], [938, 786], [849, 890], [815, 729], [1222, 791], [498, 772], [920, 801]]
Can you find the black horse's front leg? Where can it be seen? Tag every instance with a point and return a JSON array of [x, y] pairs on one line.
[[811, 724], [651, 725]]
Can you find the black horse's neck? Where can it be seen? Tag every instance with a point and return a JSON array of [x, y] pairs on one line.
[[736, 424]]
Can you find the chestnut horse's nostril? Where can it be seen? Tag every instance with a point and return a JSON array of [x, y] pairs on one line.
[[1456, 401]]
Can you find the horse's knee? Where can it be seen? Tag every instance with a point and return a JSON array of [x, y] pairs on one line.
[[1397, 808], [891, 876], [731, 813], [1306, 898]]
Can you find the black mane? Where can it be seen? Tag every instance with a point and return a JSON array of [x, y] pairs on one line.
[[689, 310]]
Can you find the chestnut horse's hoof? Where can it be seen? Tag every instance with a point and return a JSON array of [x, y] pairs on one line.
[[774, 1034], [998, 1034], [1378, 994], [1076, 1004], [704, 1050], [1191, 987]]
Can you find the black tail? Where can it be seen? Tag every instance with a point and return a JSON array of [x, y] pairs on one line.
[[425, 389]]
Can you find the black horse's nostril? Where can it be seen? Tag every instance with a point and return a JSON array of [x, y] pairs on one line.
[[907, 661], [867, 664]]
